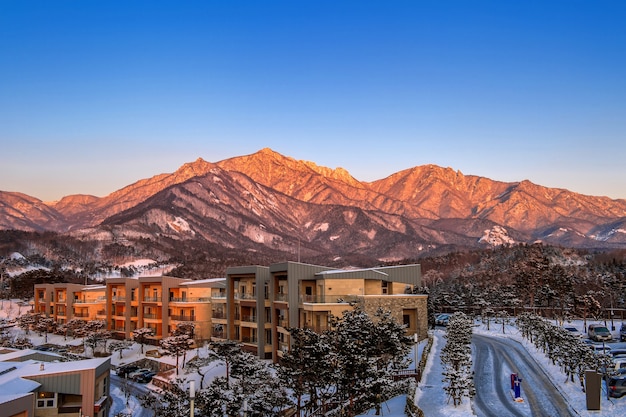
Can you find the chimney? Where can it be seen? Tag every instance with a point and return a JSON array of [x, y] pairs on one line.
[[41, 367]]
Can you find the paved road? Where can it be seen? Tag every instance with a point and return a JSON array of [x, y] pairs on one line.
[[494, 360], [119, 402]]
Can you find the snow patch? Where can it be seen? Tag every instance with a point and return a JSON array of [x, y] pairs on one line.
[[335, 237], [606, 236], [180, 225], [496, 236], [322, 227]]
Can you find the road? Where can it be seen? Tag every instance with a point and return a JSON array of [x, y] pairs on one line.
[[494, 361], [119, 402]]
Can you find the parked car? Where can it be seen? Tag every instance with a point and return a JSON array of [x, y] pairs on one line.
[[144, 376], [617, 386], [620, 364], [155, 353], [599, 333], [600, 349], [442, 319], [574, 331], [138, 372], [622, 333]]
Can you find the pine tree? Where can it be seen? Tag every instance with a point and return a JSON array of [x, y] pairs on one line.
[[456, 357]]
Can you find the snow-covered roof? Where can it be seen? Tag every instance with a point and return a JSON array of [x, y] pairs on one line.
[[214, 281], [16, 355], [351, 271], [14, 376]]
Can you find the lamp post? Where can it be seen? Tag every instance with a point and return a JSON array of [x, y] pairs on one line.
[[415, 339], [245, 407], [192, 396]]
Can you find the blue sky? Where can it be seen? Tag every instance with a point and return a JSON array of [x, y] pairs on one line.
[[95, 95]]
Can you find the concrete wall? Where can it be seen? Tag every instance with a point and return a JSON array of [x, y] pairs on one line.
[[397, 304]]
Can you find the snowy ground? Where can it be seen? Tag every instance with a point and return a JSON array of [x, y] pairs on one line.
[[430, 396]]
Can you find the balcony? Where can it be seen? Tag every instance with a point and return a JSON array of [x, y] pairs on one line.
[[245, 296], [219, 335], [183, 318], [249, 339], [281, 297], [329, 299], [101, 313], [81, 315], [151, 316], [97, 300], [118, 299], [156, 299], [218, 315], [190, 300], [248, 318]]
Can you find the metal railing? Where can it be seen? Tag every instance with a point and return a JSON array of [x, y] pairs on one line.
[[280, 297], [189, 299], [248, 318], [183, 318], [245, 296], [329, 299]]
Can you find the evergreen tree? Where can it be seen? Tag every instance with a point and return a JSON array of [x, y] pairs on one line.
[[456, 357], [141, 335]]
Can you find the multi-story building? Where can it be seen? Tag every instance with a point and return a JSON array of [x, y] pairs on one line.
[[65, 302], [34, 383], [126, 304], [254, 305], [264, 302]]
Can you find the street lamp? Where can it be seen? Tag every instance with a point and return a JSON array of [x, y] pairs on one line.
[[192, 396], [245, 407], [415, 339]]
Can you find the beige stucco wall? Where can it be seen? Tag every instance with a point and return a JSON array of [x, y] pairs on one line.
[[397, 304]]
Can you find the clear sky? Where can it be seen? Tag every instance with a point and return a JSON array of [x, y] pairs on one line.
[[95, 95]]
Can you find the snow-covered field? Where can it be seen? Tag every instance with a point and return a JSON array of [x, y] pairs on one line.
[[430, 396]]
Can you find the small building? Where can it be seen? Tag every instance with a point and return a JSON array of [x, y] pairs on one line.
[[34, 383]]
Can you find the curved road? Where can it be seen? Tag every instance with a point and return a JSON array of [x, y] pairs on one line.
[[119, 402], [494, 360]]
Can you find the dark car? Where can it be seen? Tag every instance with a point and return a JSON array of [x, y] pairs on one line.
[[617, 386], [144, 376], [622, 333], [442, 319]]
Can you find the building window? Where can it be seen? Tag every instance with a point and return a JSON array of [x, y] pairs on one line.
[[385, 287], [46, 399]]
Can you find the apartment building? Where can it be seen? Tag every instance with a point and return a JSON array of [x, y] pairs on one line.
[[262, 303], [65, 302], [254, 305], [160, 303], [34, 383], [126, 304]]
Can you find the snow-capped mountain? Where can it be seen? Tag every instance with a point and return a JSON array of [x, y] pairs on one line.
[[270, 202]]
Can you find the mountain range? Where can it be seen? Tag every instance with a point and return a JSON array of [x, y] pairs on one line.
[[270, 203]]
